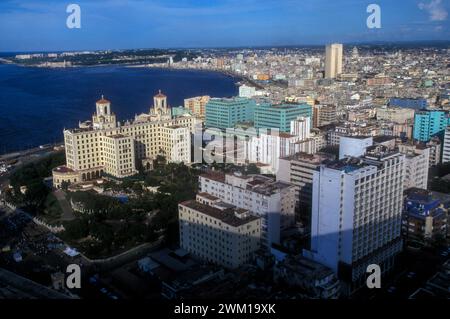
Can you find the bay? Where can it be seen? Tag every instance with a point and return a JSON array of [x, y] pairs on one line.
[[36, 104]]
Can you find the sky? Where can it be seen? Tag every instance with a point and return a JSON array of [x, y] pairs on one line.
[[40, 25]]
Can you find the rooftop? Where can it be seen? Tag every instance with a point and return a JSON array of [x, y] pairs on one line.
[[63, 169], [160, 95], [103, 101], [315, 158], [227, 216]]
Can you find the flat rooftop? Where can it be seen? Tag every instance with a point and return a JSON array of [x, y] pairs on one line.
[[207, 196], [312, 158], [227, 216]]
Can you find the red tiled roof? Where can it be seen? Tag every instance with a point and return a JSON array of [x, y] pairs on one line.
[[160, 94], [103, 101]]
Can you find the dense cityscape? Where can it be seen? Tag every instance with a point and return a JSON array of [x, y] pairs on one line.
[[224, 158], [329, 160]]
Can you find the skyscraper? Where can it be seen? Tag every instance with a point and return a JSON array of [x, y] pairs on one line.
[[333, 60], [446, 148], [356, 214]]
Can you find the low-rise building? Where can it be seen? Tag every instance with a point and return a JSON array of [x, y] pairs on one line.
[[424, 216], [315, 279]]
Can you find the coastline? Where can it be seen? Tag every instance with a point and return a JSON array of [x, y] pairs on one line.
[[20, 143], [238, 77]]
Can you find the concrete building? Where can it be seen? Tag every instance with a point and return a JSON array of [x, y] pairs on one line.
[[269, 146], [429, 123], [356, 214], [333, 60], [354, 146], [395, 114], [417, 160], [279, 116], [324, 115], [247, 91], [225, 113], [435, 150], [105, 146], [273, 201], [424, 217], [217, 232], [298, 169], [446, 146], [417, 104], [316, 280], [197, 105]]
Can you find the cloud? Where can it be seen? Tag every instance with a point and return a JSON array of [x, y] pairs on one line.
[[435, 9]]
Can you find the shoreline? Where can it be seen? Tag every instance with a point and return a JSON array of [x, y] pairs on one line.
[[19, 151], [29, 151], [138, 66]]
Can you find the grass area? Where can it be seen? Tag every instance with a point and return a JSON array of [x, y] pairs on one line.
[[52, 210], [112, 226], [37, 197]]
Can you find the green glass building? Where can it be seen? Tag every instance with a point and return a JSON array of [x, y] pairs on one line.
[[225, 113], [428, 123], [280, 116]]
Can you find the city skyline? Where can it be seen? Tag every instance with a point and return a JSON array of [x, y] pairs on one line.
[[184, 23]]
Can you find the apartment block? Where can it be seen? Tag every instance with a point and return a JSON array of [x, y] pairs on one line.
[[279, 116], [273, 201], [218, 232], [446, 146], [223, 113], [429, 123], [417, 158], [197, 105], [424, 216], [298, 169], [356, 214]]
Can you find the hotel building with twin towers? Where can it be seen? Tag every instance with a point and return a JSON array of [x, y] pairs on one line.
[[104, 146]]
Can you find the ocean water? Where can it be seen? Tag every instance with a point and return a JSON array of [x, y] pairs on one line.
[[36, 104]]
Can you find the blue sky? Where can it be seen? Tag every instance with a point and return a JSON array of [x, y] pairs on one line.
[[40, 25]]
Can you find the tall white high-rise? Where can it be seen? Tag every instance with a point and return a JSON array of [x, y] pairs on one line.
[[446, 147], [333, 60], [356, 214]]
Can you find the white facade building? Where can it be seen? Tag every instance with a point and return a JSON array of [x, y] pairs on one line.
[[218, 232], [446, 147], [356, 214], [354, 146], [106, 146], [416, 166], [273, 201], [247, 91], [270, 146]]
